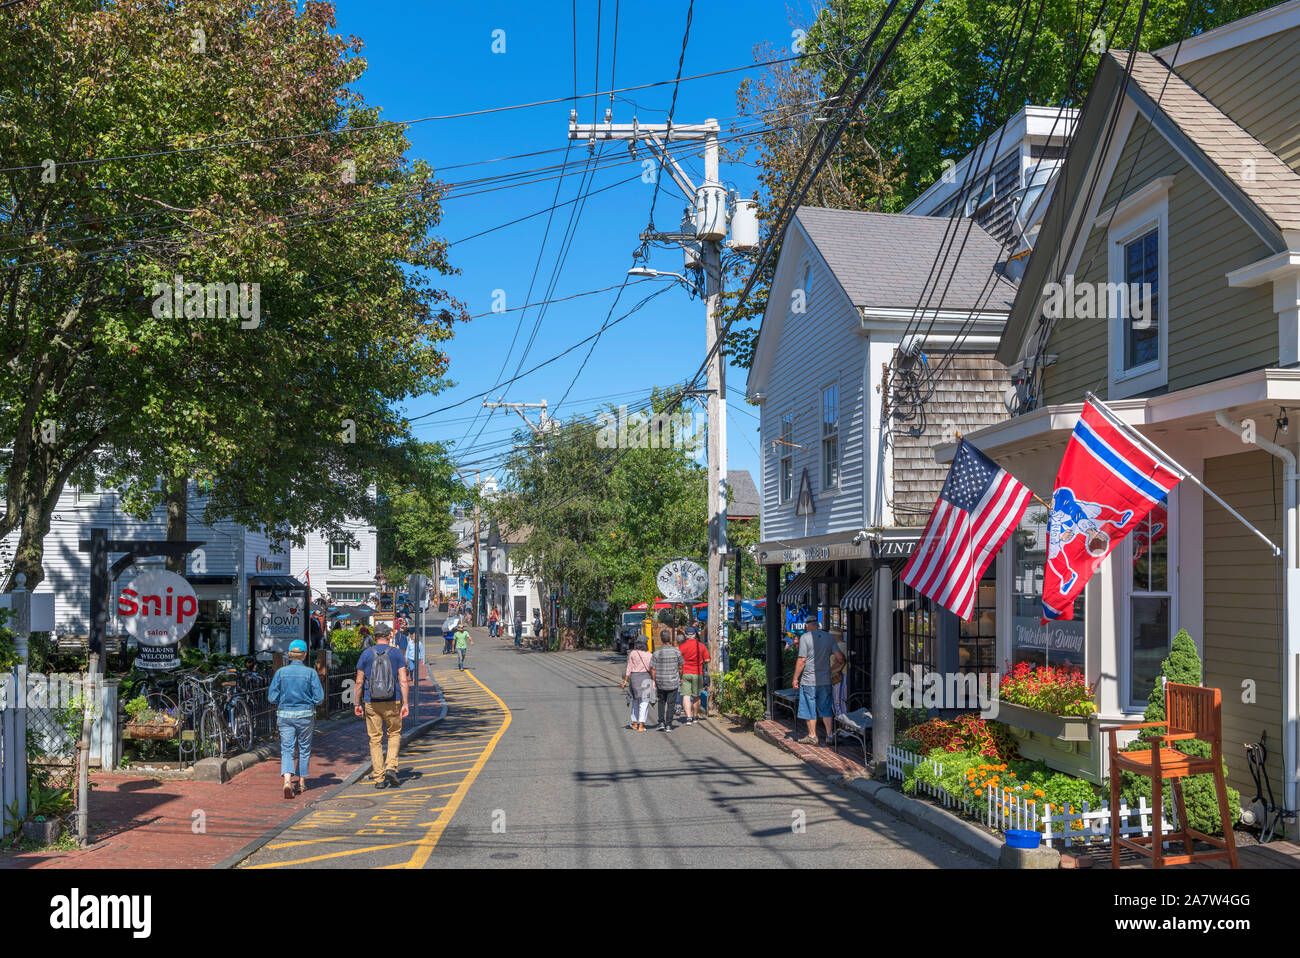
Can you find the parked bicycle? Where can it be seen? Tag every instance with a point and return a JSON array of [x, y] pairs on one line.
[[223, 716]]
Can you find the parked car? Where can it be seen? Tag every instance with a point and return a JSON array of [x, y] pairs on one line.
[[628, 631]]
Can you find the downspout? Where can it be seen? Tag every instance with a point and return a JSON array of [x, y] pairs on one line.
[[1290, 604]]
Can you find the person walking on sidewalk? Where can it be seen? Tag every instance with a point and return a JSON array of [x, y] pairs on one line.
[[638, 679], [667, 664], [295, 691], [463, 642], [519, 628], [695, 656], [494, 623], [818, 658], [381, 676]]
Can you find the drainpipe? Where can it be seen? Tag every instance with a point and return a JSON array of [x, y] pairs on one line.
[[1290, 604]]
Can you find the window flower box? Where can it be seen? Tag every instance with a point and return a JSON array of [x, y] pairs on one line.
[[1066, 728]]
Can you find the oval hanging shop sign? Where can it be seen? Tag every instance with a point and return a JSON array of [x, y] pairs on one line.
[[157, 608], [682, 581]]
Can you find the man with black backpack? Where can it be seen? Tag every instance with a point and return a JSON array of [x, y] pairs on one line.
[[381, 676]]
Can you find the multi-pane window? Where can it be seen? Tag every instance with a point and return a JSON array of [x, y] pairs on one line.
[[1141, 267], [916, 625], [787, 457], [977, 645], [830, 438], [1150, 600], [338, 554]]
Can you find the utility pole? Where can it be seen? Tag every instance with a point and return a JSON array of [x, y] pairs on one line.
[[704, 228], [519, 407], [473, 616]]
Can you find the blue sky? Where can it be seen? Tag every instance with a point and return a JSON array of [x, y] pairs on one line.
[[437, 58]]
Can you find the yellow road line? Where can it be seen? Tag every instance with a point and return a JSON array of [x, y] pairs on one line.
[[318, 858], [309, 841], [427, 844]]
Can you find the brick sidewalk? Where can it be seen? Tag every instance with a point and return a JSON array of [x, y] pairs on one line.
[[149, 822], [824, 760]]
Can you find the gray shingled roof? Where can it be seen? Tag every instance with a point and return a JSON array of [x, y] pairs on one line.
[[1274, 187], [744, 499], [884, 260]]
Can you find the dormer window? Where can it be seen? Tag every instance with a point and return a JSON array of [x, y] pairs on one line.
[[980, 197]]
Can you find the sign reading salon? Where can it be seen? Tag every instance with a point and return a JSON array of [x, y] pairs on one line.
[[157, 609]]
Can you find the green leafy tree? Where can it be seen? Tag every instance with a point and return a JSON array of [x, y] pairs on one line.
[[1183, 666], [600, 520], [415, 515], [962, 69], [222, 142]]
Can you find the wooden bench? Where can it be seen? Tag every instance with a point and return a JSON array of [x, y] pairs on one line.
[[73, 643]]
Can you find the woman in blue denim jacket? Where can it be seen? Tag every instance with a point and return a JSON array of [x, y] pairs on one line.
[[296, 690]]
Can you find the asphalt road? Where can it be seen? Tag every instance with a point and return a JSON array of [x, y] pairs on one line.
[[534, 767]]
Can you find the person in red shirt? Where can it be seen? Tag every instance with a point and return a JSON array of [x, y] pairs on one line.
[[696, 656]]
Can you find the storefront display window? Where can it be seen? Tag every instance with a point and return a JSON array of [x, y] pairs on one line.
[[916, 625], [977, 645], [1058, 643]]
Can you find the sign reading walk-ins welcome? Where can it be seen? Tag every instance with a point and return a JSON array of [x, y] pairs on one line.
[[157, 609]]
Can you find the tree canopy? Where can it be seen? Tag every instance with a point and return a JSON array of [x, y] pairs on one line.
[[215, 264]]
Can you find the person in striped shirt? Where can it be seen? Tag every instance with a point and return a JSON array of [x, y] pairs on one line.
[[667, 665]]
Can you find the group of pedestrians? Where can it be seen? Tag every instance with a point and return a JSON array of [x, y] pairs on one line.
[[679, 665], [383, 698]]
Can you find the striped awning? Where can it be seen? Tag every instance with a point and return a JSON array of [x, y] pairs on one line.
[[858, 598], [801, 585]]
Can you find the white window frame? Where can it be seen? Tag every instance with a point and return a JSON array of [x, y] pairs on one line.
[[87, 500], [347, 554], [786, 447], [823, 436], [1125, 577], [1133, 218]]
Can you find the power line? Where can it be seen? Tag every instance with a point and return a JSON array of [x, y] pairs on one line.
[[344, 131]]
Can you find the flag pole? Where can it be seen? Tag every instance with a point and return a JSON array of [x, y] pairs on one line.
[[1168, 460]]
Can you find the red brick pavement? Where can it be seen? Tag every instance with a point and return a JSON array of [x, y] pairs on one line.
[[150, 822], [823, 759]]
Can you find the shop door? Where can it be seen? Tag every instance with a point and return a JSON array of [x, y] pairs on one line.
[[521, 607]]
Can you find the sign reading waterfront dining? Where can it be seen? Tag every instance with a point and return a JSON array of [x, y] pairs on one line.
[[682, 581], [157, 609]]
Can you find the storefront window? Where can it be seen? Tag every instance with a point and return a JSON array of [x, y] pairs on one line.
[[916, 624], [1057, 643], [977, 645], [212, 625], [1149, 602]]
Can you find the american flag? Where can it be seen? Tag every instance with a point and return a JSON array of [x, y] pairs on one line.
[[977, 510]]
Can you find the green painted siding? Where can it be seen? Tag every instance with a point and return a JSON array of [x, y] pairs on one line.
[[1215, 331], [1258, 85], [1243, 610]]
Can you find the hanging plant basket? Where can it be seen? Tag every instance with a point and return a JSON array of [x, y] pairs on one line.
[[151, 730]]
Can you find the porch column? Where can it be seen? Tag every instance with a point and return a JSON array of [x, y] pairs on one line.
[[882, 663], [773, 622]]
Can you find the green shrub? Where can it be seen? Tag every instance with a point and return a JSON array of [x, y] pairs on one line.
[[1183, 666], [744, 689], [8, 644], [346, 644]]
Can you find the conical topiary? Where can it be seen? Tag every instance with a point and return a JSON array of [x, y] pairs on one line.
[[1182, 665]]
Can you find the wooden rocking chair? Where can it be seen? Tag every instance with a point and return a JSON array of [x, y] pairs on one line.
[[1193, 712]]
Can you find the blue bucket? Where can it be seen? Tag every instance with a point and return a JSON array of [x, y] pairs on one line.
[[1023, 838]]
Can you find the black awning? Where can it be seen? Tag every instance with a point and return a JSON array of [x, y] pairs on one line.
[[281, 582]]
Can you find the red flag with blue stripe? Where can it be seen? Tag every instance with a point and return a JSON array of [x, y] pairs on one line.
[[1105, 487]]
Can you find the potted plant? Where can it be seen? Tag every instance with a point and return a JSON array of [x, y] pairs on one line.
[[44, 806], [144, 722]]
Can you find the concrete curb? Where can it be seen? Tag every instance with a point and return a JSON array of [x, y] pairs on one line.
[[232, 860], [965, 835]]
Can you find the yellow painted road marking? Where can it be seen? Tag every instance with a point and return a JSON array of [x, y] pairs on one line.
[[427, 844], [318, 858], [308, 841]]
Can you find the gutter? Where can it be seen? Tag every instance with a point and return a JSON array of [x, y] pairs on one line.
[[1290, 607]]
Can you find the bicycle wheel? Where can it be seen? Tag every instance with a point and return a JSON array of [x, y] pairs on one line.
[[211, 734], [241, 725]]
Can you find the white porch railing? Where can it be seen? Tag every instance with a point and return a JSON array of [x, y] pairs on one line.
[[1003, 808]]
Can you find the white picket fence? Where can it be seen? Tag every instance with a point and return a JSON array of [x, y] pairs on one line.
[[1004, 808]]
